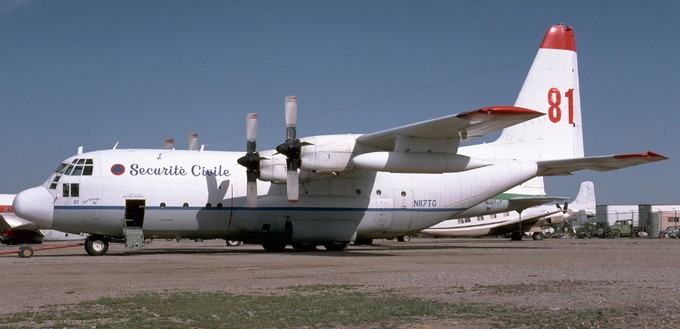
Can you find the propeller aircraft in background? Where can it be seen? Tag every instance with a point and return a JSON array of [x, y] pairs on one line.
[[516, 214], [332, 189]]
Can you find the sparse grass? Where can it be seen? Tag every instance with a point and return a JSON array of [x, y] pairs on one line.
[[311, 306]]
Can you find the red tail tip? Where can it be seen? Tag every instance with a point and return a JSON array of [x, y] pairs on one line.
[[559, 37]]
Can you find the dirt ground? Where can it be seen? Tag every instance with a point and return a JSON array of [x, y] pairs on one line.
[[554, 274]]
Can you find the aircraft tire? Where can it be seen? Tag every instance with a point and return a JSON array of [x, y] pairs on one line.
[[304, 246], [274, 246], [363, 242], [96, 245], [516, 236], [26, 252], [336, 245], [234, 243], [405, 238]]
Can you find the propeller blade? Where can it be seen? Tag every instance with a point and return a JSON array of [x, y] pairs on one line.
[[291, 149], [291, 117], [251, 160], [292, 185], [251, 132], [251, 192]]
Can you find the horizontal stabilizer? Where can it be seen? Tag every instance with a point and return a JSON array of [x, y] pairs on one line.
[[528, 202], [599, 163]]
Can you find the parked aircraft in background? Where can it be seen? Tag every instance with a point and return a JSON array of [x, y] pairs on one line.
[[16, 230], [328, 190], [533, 219]]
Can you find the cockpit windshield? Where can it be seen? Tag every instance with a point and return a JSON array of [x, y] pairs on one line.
[[77, 167]]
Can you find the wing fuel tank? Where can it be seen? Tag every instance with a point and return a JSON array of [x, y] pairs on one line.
[[425, 163]]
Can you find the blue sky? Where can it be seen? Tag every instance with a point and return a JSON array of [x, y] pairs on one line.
[[94, 73]]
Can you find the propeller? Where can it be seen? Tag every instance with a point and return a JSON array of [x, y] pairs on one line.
[[291, 148], [251, 160], [564, 210]]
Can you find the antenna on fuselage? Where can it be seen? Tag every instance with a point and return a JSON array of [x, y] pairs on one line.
[[80, 149], [114, 147]]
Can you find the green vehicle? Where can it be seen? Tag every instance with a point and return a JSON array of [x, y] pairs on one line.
[[621, 228]]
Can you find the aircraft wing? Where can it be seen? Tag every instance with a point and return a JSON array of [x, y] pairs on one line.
[[460, 127], [599, 163], [10, 221]]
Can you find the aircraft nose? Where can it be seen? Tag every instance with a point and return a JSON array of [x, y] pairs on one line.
[[36, 205]]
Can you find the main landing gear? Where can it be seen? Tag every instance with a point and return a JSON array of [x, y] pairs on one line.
[[96, 245]]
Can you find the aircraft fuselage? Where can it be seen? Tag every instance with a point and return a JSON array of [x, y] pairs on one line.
[[201, 194]]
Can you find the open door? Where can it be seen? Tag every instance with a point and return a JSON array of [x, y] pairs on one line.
[[133, 223], [134, 213]]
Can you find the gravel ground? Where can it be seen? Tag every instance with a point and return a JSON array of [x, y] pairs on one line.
[[561, 275]]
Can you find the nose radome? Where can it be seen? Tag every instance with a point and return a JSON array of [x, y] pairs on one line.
[[36, 205]]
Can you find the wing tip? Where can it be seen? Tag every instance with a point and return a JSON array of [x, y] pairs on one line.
[[649, 154], [500, 110]]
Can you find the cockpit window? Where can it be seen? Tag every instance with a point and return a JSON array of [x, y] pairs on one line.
[[61, 167], [77, 167]]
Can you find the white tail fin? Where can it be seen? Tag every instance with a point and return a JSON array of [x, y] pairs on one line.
[[550, 87], [585, 199]]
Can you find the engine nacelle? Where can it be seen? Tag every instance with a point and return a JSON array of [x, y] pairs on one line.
[[331, 153], [321, 154], [417, 162], [273, 168]]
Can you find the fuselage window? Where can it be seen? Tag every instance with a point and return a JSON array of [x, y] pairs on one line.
[[162, 204], [70, 190], [185, 205]]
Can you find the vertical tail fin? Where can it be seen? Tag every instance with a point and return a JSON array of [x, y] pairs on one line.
[[585, 199], [551, 87]]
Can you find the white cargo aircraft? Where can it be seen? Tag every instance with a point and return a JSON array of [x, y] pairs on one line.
[[505, 215], [378, 185]]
